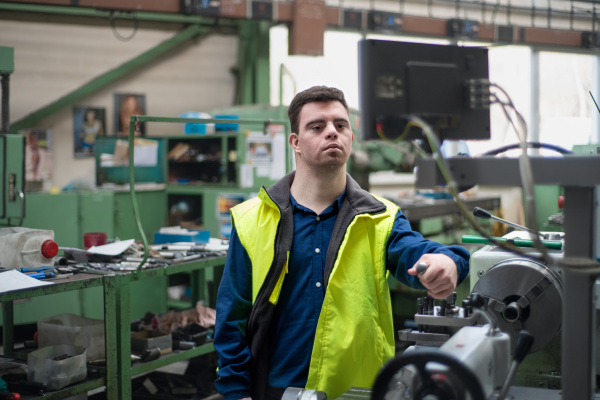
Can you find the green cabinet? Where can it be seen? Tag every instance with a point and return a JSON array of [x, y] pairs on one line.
[[70, 215]]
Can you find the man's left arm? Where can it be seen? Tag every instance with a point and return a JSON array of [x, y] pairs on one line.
[[448, 266]]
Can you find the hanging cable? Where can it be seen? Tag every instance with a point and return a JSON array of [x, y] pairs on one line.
[[520, 127], [495, 12], [572, 15], [134, 126], [533, 145], [524, 164], [113, 27], [483, 4], [453, 189]]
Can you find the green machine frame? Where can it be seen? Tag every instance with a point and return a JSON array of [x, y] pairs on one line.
[[12, 151]]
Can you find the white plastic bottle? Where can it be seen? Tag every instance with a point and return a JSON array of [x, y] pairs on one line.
[[26, 248]]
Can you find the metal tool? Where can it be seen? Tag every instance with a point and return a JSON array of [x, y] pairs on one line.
[[481, 213], [37, 269], [42, 275]]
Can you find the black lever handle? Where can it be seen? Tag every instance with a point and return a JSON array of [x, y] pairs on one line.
[[524, 343], [481, 213]]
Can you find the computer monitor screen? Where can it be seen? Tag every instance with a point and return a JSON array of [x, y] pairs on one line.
[[444, 85]]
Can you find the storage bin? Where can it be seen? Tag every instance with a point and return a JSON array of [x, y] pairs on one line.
[[74, 330], [143, 340], [57, 366]]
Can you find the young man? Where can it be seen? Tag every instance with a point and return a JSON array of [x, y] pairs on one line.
[[304, 299]]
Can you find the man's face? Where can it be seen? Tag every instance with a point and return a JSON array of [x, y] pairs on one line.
[[325, 136]]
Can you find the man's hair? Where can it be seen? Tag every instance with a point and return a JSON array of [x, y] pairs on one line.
[[311, 95]]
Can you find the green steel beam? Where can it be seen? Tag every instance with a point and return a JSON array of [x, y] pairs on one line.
[[107, 78], [253, 63], [107, 14], [7, 60], [263, 65]]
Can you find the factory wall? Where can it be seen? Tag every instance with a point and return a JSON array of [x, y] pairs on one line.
[[54, 59]]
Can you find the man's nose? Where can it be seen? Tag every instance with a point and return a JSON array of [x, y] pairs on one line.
[[331, 130]]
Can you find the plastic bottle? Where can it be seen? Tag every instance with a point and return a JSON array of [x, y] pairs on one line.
[[26, 248]]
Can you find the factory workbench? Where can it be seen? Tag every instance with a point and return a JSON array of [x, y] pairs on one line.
[[119, 370]]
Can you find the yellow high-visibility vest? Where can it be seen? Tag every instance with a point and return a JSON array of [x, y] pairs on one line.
[[355, 333]]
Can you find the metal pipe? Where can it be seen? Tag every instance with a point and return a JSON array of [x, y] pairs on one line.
[[107, 14], [578, 328]]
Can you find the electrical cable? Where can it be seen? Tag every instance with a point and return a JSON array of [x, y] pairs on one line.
[[453, 188], [113, 27], [525, 169], [134, 125], [524, 166], [533, 145]]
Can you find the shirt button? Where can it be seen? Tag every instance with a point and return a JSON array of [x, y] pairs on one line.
[[318, 218], [318, 284], [317, 250]]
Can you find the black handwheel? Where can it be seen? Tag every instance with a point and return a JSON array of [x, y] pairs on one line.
[[419, 359]]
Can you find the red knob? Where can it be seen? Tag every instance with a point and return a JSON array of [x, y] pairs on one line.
[[49, 249], [561, 202]]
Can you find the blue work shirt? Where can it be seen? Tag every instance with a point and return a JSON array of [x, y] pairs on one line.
[[301, 298]]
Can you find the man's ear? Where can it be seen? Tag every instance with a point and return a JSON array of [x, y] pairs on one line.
[[293, 141]]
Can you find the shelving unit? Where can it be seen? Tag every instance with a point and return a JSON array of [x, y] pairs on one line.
[[117, 324], [211, 173], [209, 159], [206, 174]]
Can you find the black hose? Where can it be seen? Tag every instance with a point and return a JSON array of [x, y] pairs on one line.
[[533, 145]]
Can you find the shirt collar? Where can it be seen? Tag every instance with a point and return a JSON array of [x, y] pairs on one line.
[[333, 208]]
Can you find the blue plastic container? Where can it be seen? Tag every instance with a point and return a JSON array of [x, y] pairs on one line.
[[223, 127], [194, 236], [197, 128]]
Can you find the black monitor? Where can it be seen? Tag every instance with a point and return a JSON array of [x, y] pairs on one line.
[[444, 85]]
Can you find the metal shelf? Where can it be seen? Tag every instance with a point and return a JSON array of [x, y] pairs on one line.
[[117, 324]]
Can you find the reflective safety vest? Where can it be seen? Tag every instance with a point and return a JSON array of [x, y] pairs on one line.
[[355, 333]]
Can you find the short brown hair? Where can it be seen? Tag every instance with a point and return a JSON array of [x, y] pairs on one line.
[[311, 95]]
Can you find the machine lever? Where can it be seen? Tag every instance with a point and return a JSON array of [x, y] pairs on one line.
[[422, 268], [481, 213], [524, 343]]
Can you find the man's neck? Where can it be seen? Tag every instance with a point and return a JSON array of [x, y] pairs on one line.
[[317, 191]]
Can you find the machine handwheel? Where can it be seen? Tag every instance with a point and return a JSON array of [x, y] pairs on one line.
[[419, 359]]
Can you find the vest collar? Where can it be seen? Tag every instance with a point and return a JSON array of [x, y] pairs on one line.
[[360, 200]]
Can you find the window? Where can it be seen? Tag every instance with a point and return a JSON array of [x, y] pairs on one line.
[[565, 104], [561, 112]]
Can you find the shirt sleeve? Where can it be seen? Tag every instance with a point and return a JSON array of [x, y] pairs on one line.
[[406, 246], [234, 301]]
